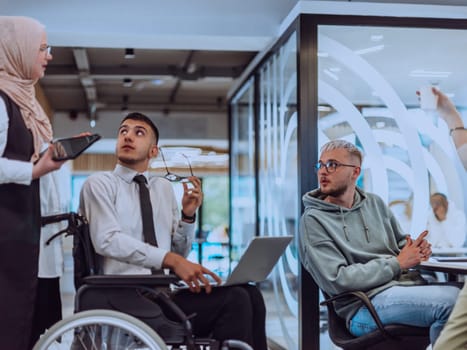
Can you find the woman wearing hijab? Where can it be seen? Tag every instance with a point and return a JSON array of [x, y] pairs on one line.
[[24, 127]]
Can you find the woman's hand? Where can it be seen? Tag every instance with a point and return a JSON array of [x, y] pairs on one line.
[[45, 163]]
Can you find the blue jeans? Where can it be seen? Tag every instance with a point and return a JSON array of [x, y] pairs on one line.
[[422, 306]]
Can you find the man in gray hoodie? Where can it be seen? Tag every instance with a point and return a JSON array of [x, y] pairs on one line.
[[350, 240]]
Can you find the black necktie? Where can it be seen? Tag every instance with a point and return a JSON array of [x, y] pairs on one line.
[[146, 211]]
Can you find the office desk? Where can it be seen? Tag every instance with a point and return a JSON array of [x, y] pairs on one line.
[[452, 266], [449, 251]]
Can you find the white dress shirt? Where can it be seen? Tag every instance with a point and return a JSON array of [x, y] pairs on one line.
[[449, 233], [11, 170], [110, 201], [54, 200]]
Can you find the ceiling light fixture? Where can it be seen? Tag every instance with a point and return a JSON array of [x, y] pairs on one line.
[[92, 115], [422, 73], [369, 50], [157, 82], [322, 108], [125, 103], [127, 82], [129, 53], [376, 37], [335, 69], [331, 74]]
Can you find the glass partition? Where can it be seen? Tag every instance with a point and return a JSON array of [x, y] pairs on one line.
[[278, 184], [243, 183], [367, 83], [359, 83]]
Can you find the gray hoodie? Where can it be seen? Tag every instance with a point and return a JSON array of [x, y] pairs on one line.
[[351, 249]]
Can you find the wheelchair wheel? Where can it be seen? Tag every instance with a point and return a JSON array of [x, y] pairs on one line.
[[100, 329]]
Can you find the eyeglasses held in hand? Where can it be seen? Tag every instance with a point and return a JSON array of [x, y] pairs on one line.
[[331, 166], [174, 177]]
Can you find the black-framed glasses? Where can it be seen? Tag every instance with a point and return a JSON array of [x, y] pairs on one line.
[[46, 48], [331, 165], [174, 177]]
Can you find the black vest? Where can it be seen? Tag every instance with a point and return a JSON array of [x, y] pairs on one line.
[[19, 240], [19, 204]]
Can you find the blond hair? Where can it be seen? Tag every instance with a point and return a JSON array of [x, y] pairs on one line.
[[342, 144]]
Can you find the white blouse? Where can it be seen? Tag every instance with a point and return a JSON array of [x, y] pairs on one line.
[[11, 170]]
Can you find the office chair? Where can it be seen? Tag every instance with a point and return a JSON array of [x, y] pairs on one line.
[[386, 337]]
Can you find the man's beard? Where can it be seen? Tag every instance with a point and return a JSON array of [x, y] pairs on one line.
[[128, 160], [335, 192]]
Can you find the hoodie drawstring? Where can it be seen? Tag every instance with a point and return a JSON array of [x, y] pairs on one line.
[[365, 226], [344, 225]]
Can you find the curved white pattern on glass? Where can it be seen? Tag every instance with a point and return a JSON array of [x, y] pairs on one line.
[[440, 156], [278, 200], [346, 111], [407, 154], [376, 81]]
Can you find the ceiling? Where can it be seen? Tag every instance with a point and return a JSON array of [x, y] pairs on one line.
[[92, 79], [187, 54]]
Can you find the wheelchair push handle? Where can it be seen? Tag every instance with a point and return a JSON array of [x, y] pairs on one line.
[[50, 219], [74, 221]]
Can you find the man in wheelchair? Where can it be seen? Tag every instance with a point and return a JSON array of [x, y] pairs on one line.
[[119, 233]]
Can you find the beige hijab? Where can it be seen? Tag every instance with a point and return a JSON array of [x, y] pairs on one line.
[[20, 40]]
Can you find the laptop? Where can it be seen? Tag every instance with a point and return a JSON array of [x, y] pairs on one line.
[[256, 263]]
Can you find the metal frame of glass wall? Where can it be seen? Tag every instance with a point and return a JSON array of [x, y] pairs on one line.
[[248, 106]]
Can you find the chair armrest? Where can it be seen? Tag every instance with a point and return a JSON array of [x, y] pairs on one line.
[[146, 280], [366, 301]]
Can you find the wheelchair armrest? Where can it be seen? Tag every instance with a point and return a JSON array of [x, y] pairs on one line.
[[146, 280], [366, 301]]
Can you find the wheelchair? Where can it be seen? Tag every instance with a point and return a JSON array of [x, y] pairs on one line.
[[114, 312]]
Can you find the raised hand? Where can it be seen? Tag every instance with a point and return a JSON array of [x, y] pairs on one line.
[[192, 196]]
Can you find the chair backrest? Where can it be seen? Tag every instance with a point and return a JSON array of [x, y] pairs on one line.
[[338, 331], [85, 259], [397, 336]]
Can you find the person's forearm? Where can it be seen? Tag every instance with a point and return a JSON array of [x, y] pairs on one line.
[[456, 128]]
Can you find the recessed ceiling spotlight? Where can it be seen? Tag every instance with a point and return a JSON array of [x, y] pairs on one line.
[[127, 82], [129, 53], [157, 81]]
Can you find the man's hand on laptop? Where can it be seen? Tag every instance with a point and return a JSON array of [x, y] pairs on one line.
[[191, 273]]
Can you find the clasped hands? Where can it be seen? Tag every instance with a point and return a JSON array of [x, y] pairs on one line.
[[414, 251]]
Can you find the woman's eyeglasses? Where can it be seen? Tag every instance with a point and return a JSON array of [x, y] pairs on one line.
[[174, 177], [46, 48]]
